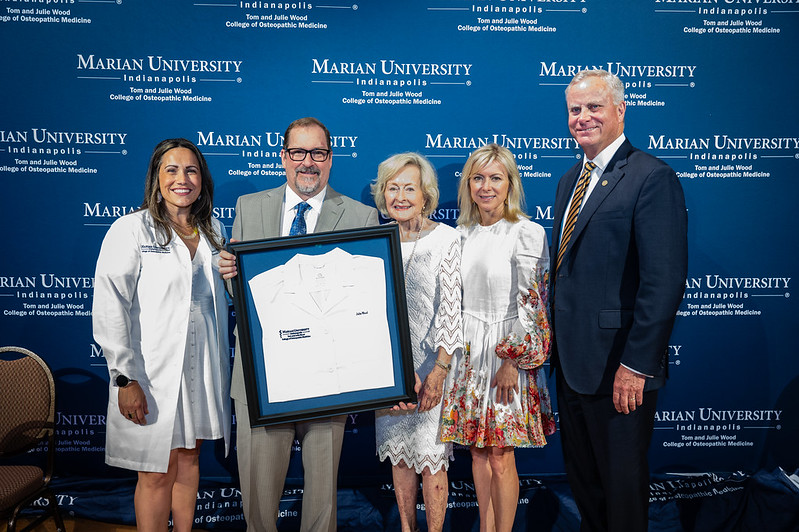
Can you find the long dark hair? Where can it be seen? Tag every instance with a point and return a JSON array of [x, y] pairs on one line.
[[201, 212]]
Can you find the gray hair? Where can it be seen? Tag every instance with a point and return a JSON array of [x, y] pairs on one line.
[[393, 166], [612, 82]]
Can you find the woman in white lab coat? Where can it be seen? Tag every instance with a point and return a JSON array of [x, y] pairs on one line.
[[160, 316]]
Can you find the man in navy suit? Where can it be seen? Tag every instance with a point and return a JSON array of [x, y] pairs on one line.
[[620, 269]]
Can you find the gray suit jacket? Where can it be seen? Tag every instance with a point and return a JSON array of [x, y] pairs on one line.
[[258, 216]]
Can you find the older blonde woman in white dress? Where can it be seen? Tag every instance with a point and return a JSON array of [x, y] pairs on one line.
[[406, 190]]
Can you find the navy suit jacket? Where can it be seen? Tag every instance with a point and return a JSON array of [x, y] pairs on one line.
[[623, 274]]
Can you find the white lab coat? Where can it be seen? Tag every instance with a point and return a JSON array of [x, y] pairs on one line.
[[324, 325], [142, 296]]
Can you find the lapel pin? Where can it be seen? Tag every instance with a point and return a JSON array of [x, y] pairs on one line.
[[605, 183]]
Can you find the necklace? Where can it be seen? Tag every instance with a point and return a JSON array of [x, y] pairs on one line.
[[413, 250], [190, 236]]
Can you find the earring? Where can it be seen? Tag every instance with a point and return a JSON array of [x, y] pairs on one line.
[[159, 197]]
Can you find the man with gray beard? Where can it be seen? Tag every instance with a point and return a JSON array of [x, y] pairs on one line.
[[305, 204]]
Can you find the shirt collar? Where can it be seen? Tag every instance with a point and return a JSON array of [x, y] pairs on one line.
[[292, 199], [339, 263], [604, 157]]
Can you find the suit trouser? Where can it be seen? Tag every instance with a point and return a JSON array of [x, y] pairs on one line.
[[263, 459], [605, 454]]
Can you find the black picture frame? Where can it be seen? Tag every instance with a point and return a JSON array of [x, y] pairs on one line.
[[280, 255]]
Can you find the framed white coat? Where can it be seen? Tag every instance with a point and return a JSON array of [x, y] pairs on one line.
[[322, 324]]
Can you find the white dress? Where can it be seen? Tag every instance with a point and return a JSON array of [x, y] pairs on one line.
[[504, 268], [433, 292], [198, 415]]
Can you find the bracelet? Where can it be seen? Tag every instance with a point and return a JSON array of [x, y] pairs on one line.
[[445, 367]]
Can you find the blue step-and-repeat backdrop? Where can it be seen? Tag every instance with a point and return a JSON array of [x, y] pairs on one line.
[[89, 87]]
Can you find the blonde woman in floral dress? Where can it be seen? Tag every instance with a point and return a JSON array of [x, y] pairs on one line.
[[499, 399]]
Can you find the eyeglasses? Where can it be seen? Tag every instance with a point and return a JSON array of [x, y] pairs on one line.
[[317, 155]]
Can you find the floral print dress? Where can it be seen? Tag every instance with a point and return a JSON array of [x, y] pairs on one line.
[[505, 273]]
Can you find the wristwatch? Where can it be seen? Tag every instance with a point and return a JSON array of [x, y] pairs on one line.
[[123, 381]]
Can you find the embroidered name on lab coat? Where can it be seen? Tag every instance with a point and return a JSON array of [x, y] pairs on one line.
[[145, 248], [295, 334]]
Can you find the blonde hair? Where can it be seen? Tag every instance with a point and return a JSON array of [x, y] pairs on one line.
[[479, 159], [394, 165]]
